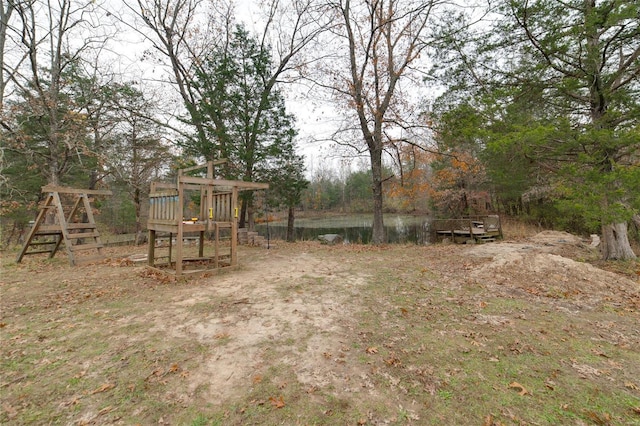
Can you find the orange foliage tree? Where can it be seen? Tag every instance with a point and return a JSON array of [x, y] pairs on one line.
[[458, 185], [410, 189]]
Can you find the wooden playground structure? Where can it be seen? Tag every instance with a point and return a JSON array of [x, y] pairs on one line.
[[65, 216], [171, 211]]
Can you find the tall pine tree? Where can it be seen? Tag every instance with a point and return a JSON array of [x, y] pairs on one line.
[[244, 113]]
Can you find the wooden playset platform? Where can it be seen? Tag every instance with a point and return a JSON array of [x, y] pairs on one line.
[[169, 213], [480, 229]]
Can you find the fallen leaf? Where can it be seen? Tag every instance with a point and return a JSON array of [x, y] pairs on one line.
[[393, 361], [599, 353], [603, 419], [488, 421], [630, 385], [257, 379], [277, 402], [105, 410], [523, 391], [72, 402], [157, 372], [10, 411], [372, 350], [104, 388]]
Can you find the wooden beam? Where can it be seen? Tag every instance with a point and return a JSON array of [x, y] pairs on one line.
[[240, 184], [66, 190], [202, 166], [165, 185]]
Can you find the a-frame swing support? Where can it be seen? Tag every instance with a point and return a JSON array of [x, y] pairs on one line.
[[76, 228]]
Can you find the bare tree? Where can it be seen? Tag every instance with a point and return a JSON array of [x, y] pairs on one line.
[[6, 10], [382, 42], [139, 151], [50, 44], [183, 31]]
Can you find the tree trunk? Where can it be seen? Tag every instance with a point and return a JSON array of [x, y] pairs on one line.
[[378, 236], [242, 222], [138, 207], [615, 242], [251, 220], [291, 237]]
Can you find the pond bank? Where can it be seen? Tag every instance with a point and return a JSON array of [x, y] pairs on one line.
[[354, 228]]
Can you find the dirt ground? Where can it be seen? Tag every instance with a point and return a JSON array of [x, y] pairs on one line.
[[104, 343]]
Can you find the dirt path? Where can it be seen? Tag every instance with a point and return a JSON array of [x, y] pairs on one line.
[[286, 310]]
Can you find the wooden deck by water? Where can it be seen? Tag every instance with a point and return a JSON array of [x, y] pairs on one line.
[[478, 229]]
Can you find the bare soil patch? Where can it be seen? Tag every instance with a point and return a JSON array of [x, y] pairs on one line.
[[526, 332]]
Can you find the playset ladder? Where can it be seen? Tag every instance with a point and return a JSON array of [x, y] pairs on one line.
[[76, 227]]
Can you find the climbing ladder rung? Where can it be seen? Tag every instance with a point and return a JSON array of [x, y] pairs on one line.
[[37, 252], [42, 243], [81, 226]]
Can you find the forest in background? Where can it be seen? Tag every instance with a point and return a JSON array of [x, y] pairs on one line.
[[450, 109]]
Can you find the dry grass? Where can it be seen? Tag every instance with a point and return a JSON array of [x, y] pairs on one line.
[[515, 229], [365, 336]]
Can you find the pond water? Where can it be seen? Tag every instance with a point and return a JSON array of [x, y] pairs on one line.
[[354, 228]]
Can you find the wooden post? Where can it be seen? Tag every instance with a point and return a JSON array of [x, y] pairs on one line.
[[63, 226], [151, 252], [91, 219], [216, 248], [234, 226], [42, 215], [180, 236]]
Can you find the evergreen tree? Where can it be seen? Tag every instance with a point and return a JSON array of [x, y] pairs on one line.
[[245, 115], [287, 185]]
